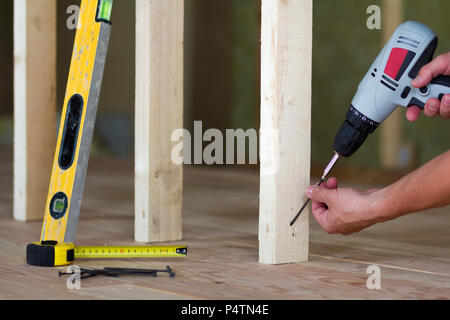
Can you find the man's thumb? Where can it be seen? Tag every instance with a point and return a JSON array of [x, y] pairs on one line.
[[318, 194]]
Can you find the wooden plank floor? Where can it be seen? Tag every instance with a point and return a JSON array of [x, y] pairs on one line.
[[220, 227]]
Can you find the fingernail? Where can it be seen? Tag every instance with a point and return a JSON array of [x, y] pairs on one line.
[[433, 107], [417, 79], [446, 102], [309, 190]]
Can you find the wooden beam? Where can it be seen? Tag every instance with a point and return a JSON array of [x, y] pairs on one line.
[[159, 111], [286, 57], [391, 138], [34, 104]]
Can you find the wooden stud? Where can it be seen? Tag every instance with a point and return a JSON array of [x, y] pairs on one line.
[[34, 104], [286, 57], [391, 130], [159, 111]]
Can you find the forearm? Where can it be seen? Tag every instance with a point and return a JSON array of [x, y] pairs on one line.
[[425, 188]]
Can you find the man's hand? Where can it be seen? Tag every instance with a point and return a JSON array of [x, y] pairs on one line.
[[439, 66], [343, 210]]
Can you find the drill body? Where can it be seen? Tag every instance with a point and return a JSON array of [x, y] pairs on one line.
[[387, 85]]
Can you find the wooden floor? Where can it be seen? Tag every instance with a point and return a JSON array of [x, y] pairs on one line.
[[220, 221]]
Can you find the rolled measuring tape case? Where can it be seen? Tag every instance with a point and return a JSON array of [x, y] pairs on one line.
[[50, 254]]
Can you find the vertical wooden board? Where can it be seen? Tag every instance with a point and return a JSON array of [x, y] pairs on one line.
[[34, 104], [159, 111], [391, 130], [286, 66]]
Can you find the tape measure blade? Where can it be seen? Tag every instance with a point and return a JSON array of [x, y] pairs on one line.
[[130, 251]]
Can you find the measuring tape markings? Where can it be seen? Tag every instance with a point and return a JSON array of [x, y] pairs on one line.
[[130, 251], [52, 253]]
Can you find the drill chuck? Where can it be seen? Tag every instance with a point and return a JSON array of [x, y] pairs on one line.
[[353, 132]]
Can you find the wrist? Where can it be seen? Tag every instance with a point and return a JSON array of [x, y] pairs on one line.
[[379, 205]]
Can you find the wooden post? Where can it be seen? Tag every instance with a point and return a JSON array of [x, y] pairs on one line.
[[34, 104], [286, 57], [391, 129], [159, 111]]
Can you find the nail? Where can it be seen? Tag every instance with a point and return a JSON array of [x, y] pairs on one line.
[[418, 79], [446, 102], [433, 107], [309, 190]]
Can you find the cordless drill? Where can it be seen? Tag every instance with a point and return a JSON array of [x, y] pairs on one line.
[[387, 85]]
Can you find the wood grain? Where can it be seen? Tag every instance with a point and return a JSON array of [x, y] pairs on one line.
[[34, 104], [391, 137], [221, 229], [285, 146], [159, 111]]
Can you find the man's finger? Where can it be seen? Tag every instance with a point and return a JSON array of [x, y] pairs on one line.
[[444, 109], [445, 104], [331, 183], [439, 65], [320, 194], [321, 216], [431, 107], [316, 205], [413, 113], [319, 211]]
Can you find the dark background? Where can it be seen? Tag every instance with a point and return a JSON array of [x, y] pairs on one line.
[[222, 39]]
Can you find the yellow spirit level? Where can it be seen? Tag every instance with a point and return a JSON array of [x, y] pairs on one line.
[[77, 122], [76, 126]]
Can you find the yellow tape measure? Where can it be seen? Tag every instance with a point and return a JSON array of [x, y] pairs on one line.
[[53, 254], [130, 252]]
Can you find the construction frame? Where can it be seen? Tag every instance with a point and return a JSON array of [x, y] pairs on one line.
[[286, 68]]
